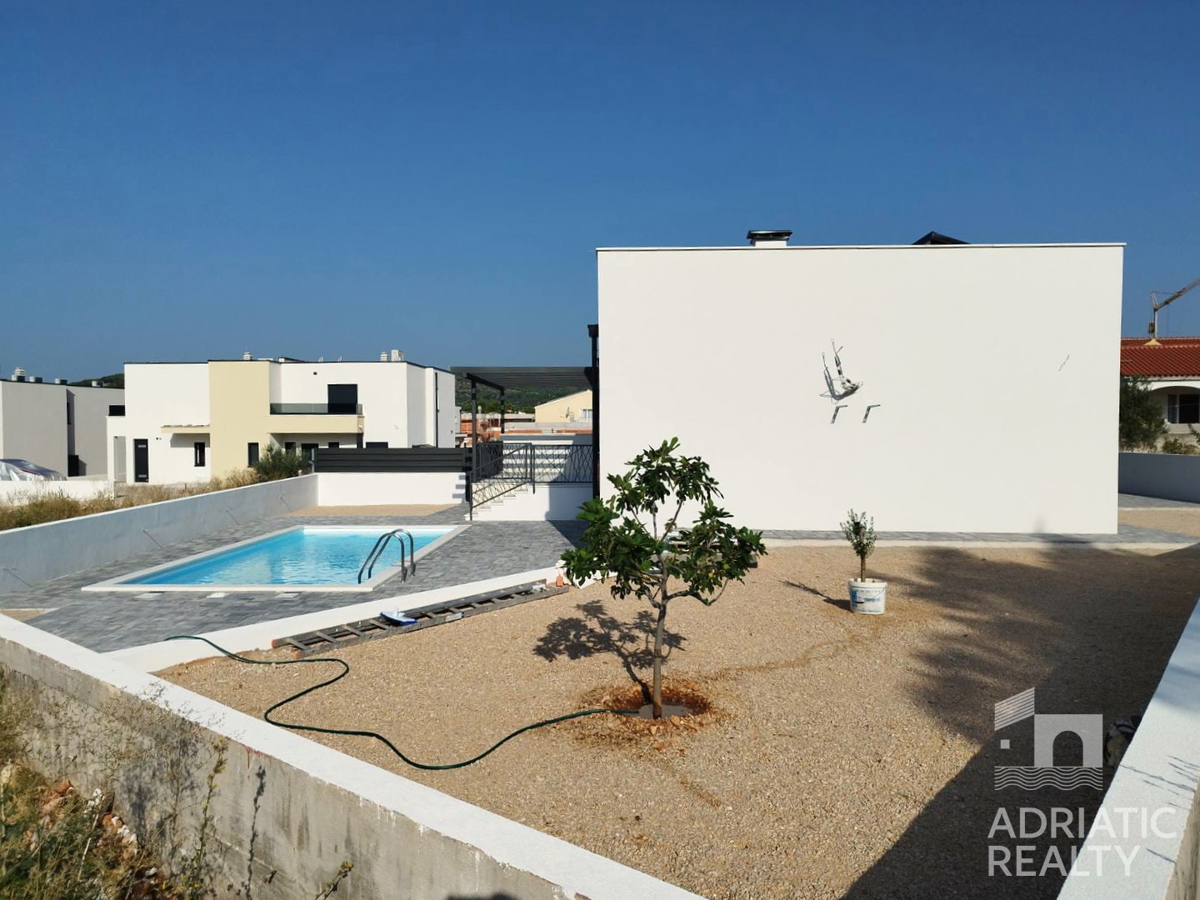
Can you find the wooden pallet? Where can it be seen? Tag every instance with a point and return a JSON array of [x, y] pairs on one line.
[[425, 617]]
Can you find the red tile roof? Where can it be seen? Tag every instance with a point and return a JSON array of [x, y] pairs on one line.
[[1172, 358]]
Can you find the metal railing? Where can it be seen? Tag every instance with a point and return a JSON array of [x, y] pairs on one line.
[[381, 544], [316, 409], [499, 470]]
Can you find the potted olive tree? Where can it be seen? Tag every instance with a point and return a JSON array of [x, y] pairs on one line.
[[867, 595]]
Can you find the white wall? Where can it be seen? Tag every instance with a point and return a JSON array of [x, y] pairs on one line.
[[550, 502], [1164, 475], [387, 488], [33, 423], [88, 434], [158, 394], [382, 391], [995, 369]]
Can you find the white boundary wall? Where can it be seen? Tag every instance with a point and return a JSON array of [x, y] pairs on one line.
[[29, 556], [550, 502], [384, 488], [298, 807], [994, 369], [1159, 771], [1165, 475]]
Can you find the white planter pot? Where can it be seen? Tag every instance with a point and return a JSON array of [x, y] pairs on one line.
[[869, 597]]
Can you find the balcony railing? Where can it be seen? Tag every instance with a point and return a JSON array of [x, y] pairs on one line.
[[316, 409]]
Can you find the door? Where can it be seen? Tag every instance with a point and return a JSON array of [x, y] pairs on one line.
[[141, 460]]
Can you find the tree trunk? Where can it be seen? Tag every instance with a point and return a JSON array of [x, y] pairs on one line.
[[656, 689], [862, 568]]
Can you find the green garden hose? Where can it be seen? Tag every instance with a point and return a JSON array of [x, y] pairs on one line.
[[294, 726]]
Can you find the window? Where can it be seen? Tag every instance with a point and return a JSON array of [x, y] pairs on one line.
[[343, 399], [198, 453], [1183, 409], [585, 415], [289, 446], [333, 445], [308, 450], [252, 454]]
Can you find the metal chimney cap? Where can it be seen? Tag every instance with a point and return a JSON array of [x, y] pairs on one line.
[[769, 236]]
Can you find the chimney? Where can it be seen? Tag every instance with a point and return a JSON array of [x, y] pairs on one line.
[[36, 379], [397, 356], [383, 357], [246, 357], [768, 238], [60, 381], [18, 374]]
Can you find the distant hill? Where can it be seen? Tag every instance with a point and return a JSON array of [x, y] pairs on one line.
[[110, 381], [519, 399]]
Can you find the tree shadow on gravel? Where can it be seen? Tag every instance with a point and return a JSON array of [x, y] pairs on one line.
[[1090, 630], [597, 631], [817, 592]]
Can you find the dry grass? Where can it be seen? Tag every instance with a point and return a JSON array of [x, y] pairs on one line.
[[842, 755], [53, 507]]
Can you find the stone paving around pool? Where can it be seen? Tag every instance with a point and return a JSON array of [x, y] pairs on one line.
[[113, 621]]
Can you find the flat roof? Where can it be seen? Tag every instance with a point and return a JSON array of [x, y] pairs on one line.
[[507, 377], [917, 248]]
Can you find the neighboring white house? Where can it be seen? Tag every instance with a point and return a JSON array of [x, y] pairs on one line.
[[978, 391], [1171, 366], [574, 408], [57, 425], [190, 421]]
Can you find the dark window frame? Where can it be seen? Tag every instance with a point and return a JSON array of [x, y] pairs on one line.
[[199, 457], [252, 454]]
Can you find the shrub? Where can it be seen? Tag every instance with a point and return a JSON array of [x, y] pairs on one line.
[[1175, 445], [1141, 416], [276, 463]]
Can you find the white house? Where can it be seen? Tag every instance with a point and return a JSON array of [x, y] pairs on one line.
[[190, 421], [978, 388], [59, 426], [1171, 367]]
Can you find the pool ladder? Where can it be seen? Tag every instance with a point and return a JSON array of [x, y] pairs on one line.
[[399, 534]]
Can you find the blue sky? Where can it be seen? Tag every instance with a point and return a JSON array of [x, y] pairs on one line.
[[185, 181]]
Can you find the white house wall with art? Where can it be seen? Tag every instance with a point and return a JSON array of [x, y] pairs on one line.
[[988, 380]]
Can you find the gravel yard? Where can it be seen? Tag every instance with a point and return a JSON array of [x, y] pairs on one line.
[[844, 756]]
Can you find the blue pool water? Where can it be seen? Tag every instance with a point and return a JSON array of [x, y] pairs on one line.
[[309, 555]]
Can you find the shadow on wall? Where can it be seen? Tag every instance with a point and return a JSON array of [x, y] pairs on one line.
[[1094, 644]]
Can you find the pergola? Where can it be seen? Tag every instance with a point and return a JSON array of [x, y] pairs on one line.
[[568, 378]]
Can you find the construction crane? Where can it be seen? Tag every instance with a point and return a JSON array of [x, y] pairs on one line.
[[1156, 305]]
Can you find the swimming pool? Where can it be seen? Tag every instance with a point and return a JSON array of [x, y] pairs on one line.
[[305, 558]]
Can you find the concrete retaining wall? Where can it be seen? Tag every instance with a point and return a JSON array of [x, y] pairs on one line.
[[1165, 475], [286, 812], [1155, 784], [29, 556], [375, 488]]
